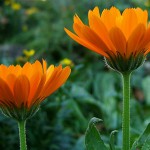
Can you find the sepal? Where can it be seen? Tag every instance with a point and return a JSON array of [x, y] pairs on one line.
[[122, 64], [19, 114]]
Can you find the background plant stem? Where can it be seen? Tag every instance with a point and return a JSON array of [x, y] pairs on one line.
[[126, 111], [22, 135]]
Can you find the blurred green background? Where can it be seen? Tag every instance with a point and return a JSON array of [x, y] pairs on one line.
[[34, 29]]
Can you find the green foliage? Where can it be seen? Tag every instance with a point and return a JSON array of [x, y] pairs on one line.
[[112, 140], [146, 88], [92, 89], [143, 142], [93, 139]]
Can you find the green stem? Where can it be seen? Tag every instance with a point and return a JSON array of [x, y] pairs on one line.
[[22, 135], [126, 111]]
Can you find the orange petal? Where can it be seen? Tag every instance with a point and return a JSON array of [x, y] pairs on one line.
[[86, 43], [142, 16], [135, 39], [145, 42], [16, 70], [109, 17], [49, 71], [77, 25], [44, 66], [96, 11], [27, 69], [60, 77], [3, 71], [21, 90], [38, 96], [98, 27], [37, 66], [34, 83], [129, 15], [78, 30], [6, 96], [94, 39], [118, 39], [78, 20], [11, 78], [60, 81], [147, 51], [52, 80]]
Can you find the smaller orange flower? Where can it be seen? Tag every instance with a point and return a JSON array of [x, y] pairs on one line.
[[22, 89], [122, 38]]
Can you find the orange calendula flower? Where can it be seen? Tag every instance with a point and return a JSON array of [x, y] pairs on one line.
[[122, 38], [22, 89]]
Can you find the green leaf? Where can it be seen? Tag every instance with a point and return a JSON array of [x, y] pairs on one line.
[[107, 90], [112, 145], [80, 92], [93, 139], [146, 145], [142, 140], [79, 145]]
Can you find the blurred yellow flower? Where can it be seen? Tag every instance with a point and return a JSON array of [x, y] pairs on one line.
[[29, 53], [66, 62], [16, 6], [24, 28], [21, 60], [31, 11], [7, 2], [147, 3]]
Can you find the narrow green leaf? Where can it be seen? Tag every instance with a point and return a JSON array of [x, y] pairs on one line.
[[142, 139], [112, 135], [93, 139]]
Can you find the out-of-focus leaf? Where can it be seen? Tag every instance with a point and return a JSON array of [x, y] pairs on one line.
[[146, 145], [93, 139], [79, 144], [142, 139], [77, 111], [146, 88], [111, 113], [104, 85], [70, 109], [79, 92], [136, 120]]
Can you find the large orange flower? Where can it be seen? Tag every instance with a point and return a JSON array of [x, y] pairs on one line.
[[22, 89], [123, 39]]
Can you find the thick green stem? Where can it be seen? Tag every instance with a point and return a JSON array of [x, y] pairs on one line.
[[22, 135], [126, 111]]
